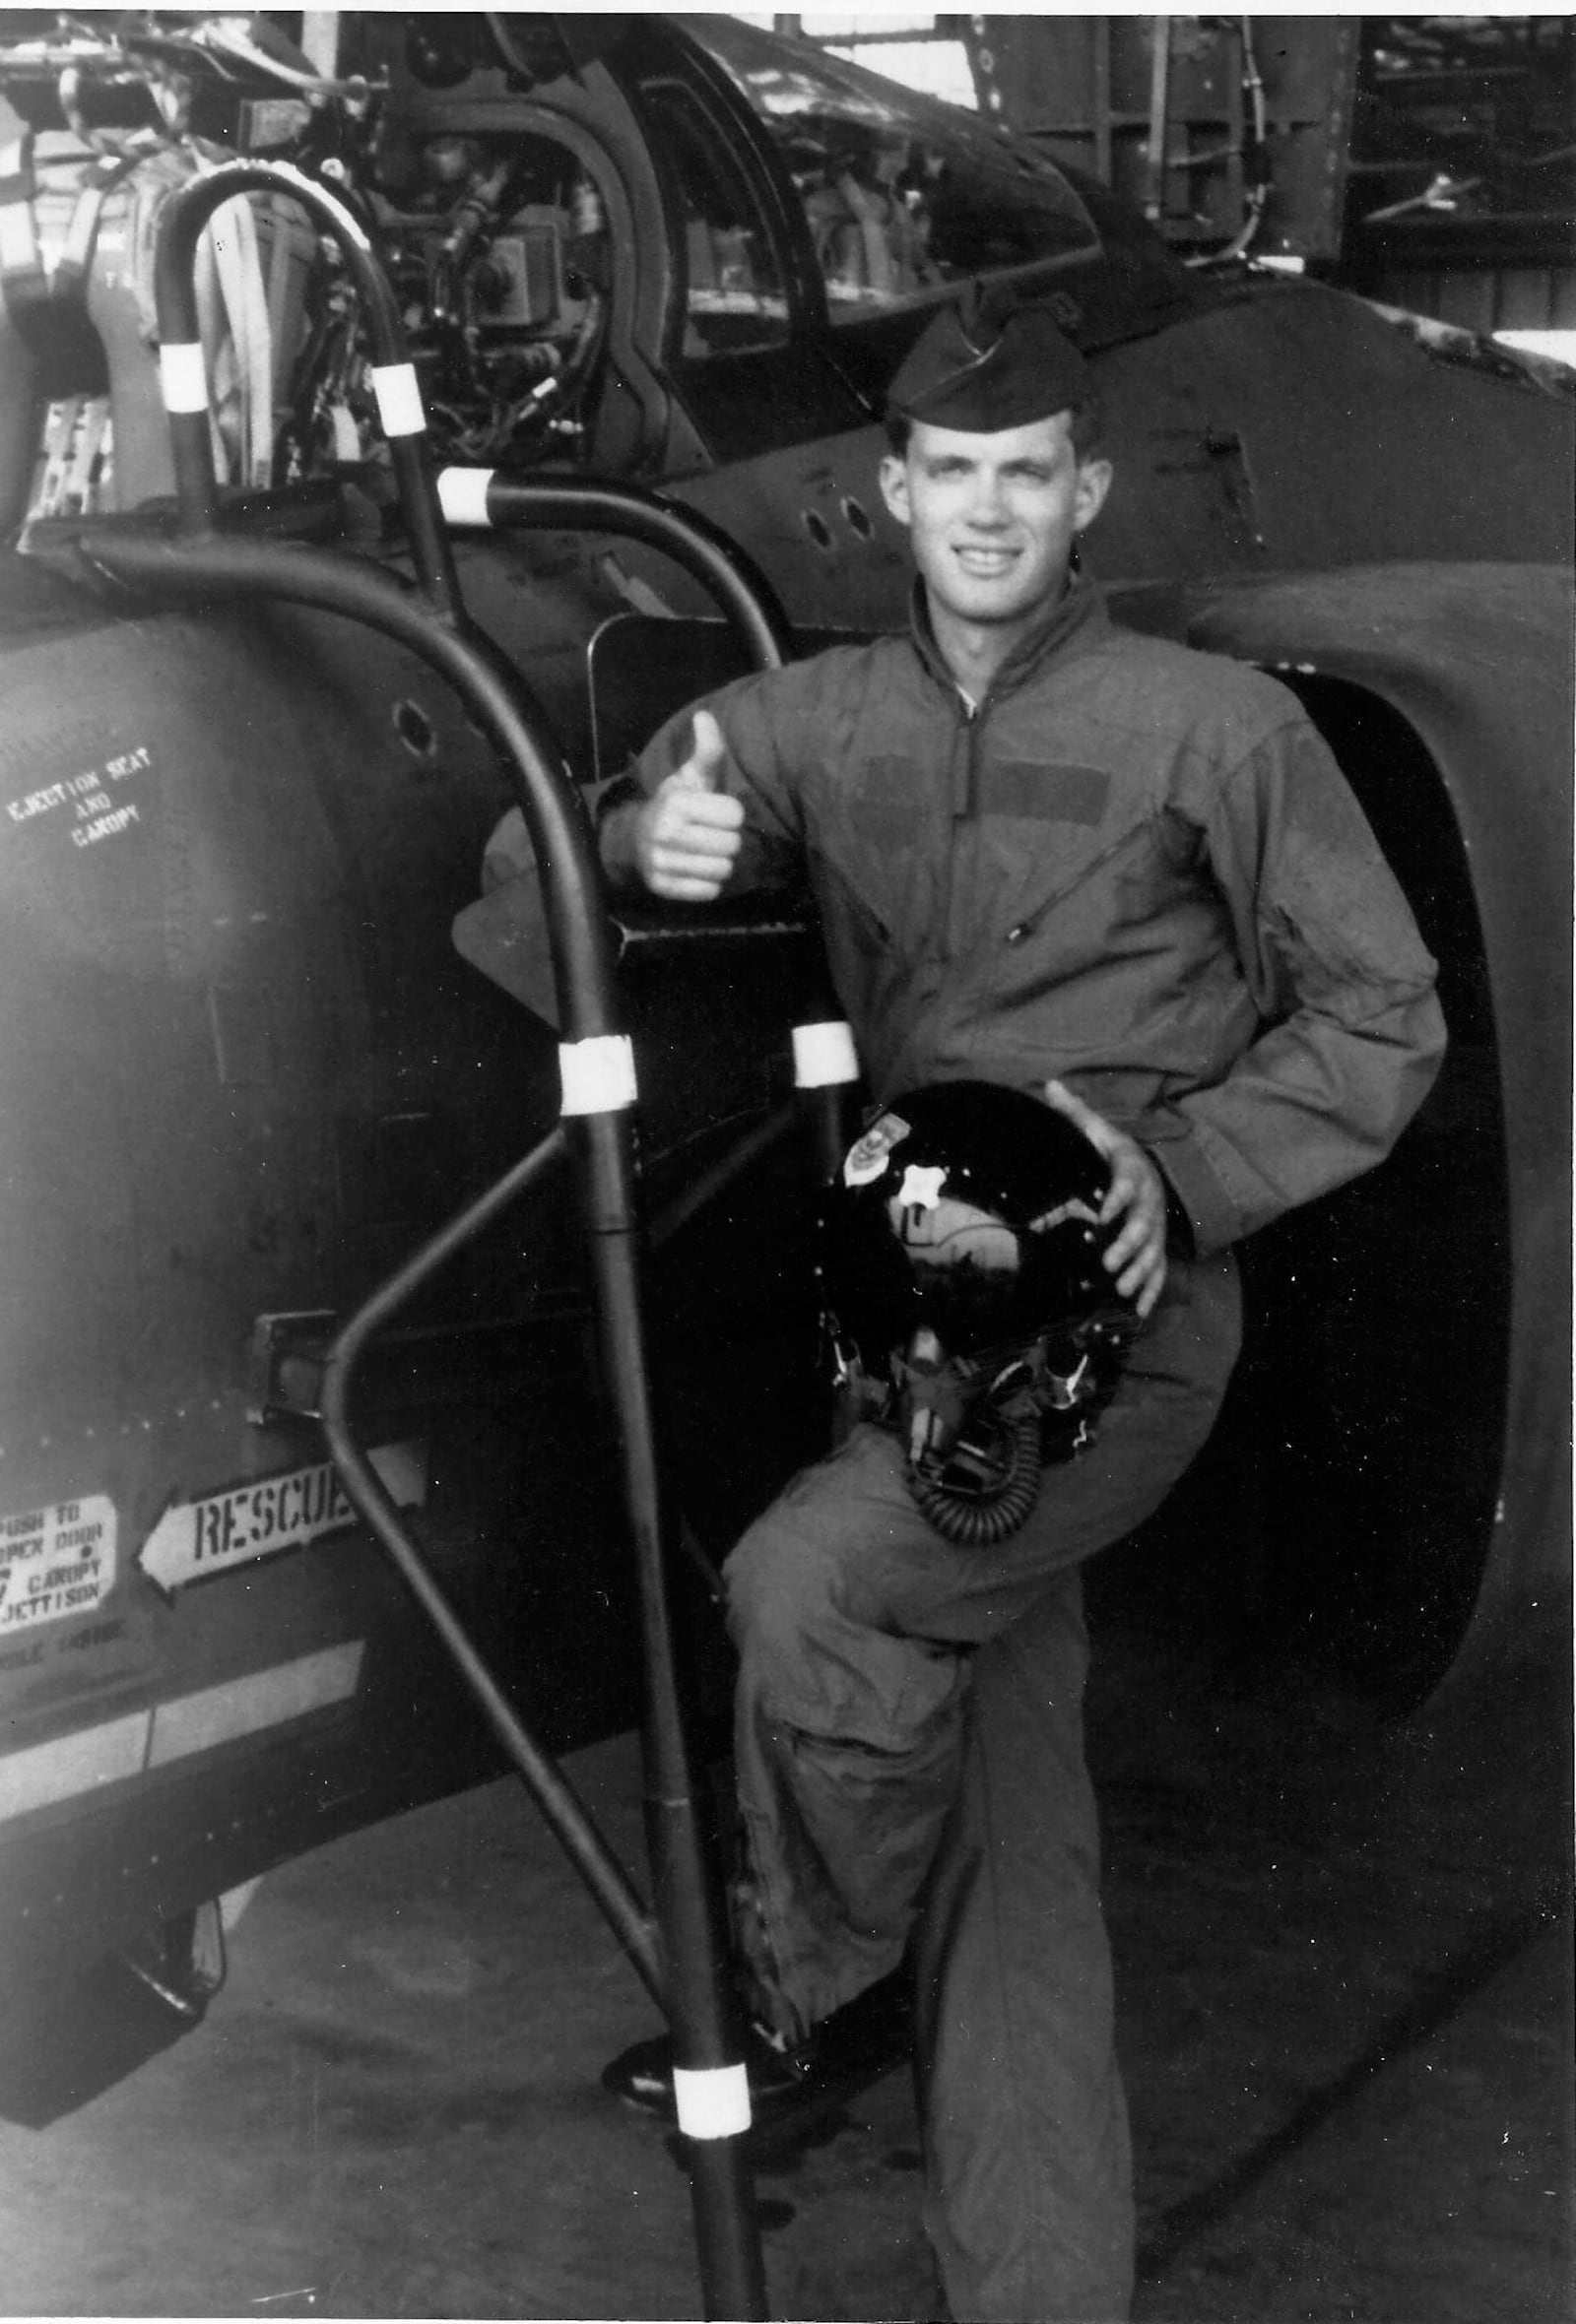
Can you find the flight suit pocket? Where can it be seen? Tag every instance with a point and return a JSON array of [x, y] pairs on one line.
[[850, 922], [1098, 873], [883, 853], [879, 807]]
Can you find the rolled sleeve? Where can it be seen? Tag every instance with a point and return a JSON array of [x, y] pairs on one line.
[[1342, 980]]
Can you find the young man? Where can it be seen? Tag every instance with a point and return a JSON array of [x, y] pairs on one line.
[[1129, 878]]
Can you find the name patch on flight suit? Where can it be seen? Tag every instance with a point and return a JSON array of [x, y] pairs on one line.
[[1048, 794]]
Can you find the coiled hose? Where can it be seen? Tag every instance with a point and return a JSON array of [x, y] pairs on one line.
[[980, 1525]]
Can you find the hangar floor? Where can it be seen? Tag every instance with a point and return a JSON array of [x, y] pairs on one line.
[[1346, 1975]]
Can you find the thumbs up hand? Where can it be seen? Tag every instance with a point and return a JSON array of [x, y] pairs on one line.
[[689, 833], [702, 770]]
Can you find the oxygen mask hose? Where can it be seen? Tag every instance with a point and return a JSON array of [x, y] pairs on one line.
[[972, 1466], [970, 1523]]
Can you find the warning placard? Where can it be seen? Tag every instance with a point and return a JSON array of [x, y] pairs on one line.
[[55, 1563]]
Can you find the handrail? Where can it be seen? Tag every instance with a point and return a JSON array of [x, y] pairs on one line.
[[481, 499], [183, 371]]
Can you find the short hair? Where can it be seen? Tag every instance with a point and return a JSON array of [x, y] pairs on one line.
[[1088, 427]]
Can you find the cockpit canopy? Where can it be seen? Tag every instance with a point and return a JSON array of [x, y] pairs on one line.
[[901, 195]]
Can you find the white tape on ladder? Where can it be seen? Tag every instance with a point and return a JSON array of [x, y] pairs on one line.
[[598, 1074], [19, 247], [824, 1055], [712, 2103], [19, 233], [462, 495], [399, 399], [183, 376]]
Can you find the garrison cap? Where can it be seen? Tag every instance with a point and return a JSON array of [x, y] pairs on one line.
[[982, 372]]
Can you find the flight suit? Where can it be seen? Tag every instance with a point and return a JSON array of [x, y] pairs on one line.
[[1137, 870]]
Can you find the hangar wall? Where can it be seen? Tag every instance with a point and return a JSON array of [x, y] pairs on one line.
[[1423, 161]]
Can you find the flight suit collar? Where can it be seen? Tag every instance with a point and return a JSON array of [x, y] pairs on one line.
[[1080, 613]]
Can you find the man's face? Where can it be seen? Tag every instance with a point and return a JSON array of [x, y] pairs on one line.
[[993, 518]]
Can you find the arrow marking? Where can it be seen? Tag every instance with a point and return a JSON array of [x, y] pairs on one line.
[[196, 1538]]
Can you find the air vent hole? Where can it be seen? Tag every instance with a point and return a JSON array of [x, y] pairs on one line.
[[414, 729]]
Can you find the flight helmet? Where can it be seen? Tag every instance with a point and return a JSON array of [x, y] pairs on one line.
[[965, 1298]]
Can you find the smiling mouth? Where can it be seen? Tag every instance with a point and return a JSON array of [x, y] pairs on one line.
[[986, 563]]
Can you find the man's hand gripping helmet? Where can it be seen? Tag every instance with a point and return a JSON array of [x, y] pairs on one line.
[[966, 1298]]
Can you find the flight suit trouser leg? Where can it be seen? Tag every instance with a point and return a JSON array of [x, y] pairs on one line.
[[856, 1623], [1028, 2183]]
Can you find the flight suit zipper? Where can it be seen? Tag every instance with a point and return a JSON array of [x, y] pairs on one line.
[[965, 817]]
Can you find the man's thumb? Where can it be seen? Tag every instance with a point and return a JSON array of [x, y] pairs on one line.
[[708, 751]]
